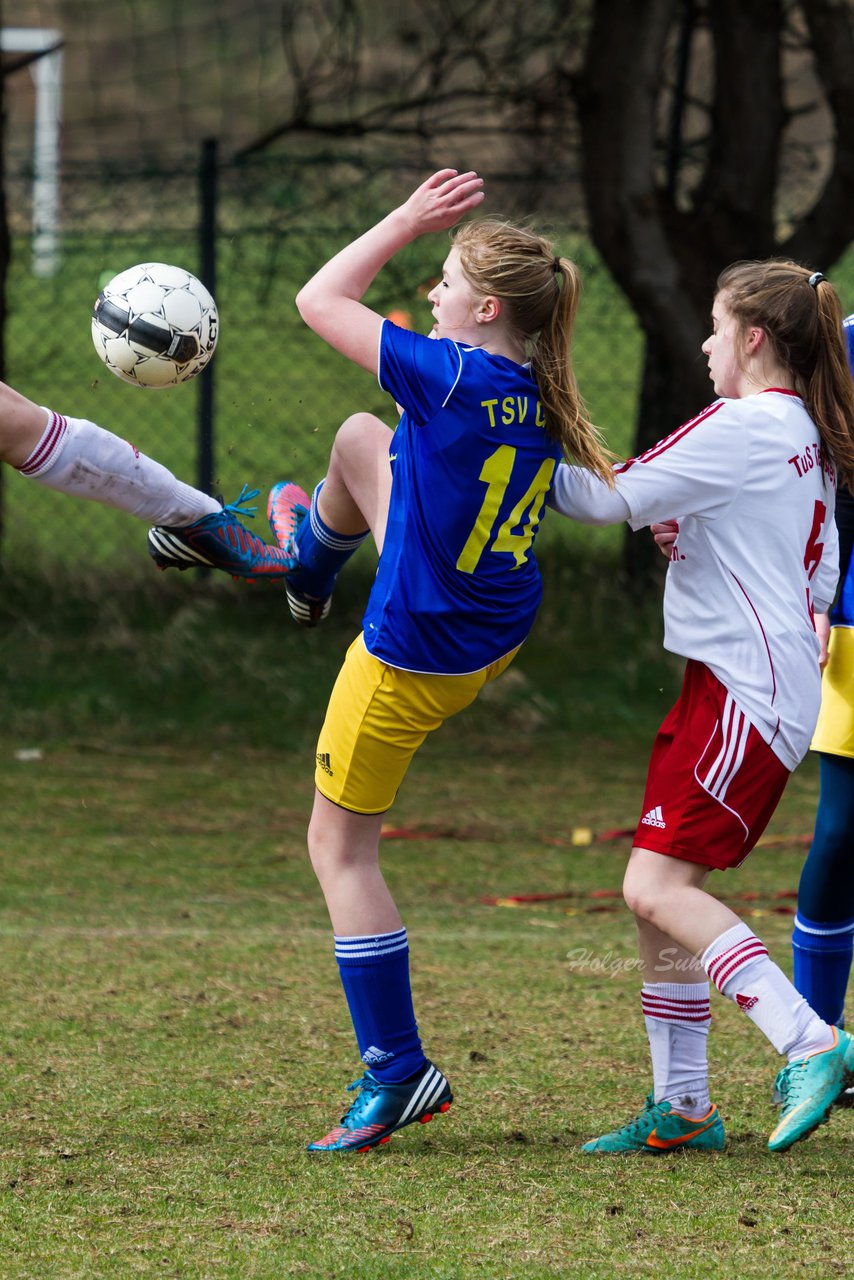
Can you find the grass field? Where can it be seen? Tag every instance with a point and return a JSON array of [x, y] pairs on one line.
[[172, 1027]]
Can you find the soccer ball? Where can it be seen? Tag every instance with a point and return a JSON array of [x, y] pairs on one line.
[[155, 325]]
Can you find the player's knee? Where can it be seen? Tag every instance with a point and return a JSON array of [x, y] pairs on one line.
[[639, 894], [330, 855], [355, 434], [323, 851]]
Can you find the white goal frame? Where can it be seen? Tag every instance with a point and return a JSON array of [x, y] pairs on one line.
[[47, 73]]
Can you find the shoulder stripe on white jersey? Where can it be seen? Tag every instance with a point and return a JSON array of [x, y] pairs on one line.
[[675, 436]]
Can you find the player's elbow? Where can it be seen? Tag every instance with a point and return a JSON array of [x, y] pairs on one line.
[[317, 311], [306, 303]]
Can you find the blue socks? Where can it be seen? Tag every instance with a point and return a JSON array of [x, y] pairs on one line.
[[375, 975], [322, 553], [823, 937], [822, 957]]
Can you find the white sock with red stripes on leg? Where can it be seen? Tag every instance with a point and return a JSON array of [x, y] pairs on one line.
[[741, 969], [678, 1017], [82, 459]]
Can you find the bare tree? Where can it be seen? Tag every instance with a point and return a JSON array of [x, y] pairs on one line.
[[693, 132], [710, 133]]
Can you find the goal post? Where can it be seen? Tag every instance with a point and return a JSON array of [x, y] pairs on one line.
[[45, 43]]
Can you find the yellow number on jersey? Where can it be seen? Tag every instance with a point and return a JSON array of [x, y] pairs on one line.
[[496, 472]]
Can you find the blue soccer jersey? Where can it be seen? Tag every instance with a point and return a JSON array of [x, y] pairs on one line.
[[842, 614], [458, 585]]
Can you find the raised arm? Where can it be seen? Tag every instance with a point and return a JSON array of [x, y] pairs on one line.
[[330, 303]]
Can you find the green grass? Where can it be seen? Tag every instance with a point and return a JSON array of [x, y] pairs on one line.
[[171, 1026]]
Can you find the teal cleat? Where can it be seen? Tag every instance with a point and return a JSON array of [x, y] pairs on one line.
[[659, 1129], [219, 541], [382, 1108], [809, 1088]]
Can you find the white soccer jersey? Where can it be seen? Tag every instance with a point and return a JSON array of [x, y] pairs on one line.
[[757, 550]]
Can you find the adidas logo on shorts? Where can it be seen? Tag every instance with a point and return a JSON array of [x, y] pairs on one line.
[[655, 818], [323, 762]]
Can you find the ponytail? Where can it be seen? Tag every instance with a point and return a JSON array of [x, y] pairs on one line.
[[551, 361], [801, 314], [540, 294]]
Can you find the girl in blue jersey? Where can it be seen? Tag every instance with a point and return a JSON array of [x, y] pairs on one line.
[[823, 936], [453, 498]]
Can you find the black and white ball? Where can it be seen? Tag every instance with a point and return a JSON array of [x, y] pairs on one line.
[[155, 325]]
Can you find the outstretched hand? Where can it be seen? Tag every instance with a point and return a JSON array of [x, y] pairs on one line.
[[442, 200]]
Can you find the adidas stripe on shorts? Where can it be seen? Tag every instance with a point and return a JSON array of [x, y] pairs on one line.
[[713, 782]]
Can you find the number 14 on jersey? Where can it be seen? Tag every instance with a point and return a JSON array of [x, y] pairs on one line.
[[497, 473]]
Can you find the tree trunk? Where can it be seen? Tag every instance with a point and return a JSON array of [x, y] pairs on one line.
[[4, 269]]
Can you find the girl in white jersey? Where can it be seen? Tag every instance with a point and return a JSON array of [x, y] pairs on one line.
[[751, 481]]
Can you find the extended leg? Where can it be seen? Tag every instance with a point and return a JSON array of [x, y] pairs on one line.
[[79, 458]]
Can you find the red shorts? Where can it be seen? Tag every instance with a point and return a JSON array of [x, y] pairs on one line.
[[713, 782]]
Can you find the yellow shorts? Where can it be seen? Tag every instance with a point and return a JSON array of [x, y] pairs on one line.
[[834, 733], [377, 718]]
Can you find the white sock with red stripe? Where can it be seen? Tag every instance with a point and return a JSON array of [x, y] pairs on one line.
[[741, 969], [80, 458], [678, 1018]]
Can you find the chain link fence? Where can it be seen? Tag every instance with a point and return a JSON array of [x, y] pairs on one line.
[[278, 393]]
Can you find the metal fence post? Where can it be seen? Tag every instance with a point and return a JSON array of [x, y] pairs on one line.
[[207, 259]]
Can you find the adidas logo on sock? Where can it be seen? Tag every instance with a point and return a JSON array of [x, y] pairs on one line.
[[746, 1002], [655, 818], [323, 762], [375, 1057]]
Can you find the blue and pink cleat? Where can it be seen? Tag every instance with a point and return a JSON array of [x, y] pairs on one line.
[[287, 507]]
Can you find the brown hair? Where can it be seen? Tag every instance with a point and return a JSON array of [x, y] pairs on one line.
[[801, 315], [540, 293]]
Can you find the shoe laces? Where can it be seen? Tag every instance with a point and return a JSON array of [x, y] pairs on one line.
[[368, 1085], [635, 1126], [791, 1082], [240, 506]]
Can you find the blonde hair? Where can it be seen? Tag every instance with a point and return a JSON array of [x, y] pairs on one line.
[[540, 294], [801, 315]]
